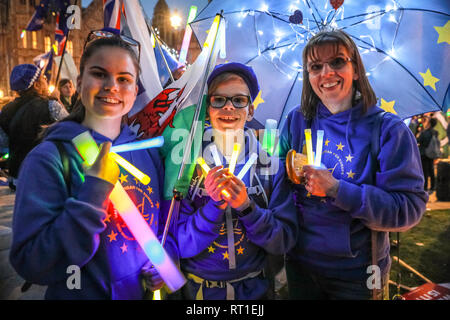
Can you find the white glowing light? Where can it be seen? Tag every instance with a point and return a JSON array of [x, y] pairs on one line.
[[264, 7], [260, 32], [239, 25]]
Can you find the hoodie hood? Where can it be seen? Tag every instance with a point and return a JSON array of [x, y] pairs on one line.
[[67, 130], [346, 117]]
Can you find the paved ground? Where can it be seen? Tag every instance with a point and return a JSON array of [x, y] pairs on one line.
[[11, 283]]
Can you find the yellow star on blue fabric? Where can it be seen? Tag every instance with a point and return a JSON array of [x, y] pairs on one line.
[[123, 178], [340, 146], [444, 33], [428, 79], [351, 174], [349, 158], [388, 106], [258, 100]]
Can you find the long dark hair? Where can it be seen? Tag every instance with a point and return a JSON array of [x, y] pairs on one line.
[[78, 111], [336, 38]]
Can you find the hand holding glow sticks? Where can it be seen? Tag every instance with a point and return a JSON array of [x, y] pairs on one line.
[[135, 222]]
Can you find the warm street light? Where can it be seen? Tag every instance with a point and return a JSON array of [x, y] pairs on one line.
[[175, 20]]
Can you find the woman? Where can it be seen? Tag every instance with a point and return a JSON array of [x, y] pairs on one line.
[[59, 225], [423, 140], [67, 93], [224, 241], [340, 205]]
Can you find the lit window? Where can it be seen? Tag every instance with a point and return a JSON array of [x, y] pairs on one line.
[[24, 39], [34, 40], [70, 47], [47, 44]]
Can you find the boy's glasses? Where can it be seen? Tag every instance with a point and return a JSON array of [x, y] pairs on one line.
[[336, 64], [98, 34], [220, 101]]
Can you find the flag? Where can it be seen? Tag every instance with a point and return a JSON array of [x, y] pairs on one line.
[[45, 62], [171, 113], [111, 13], [60, 36], [137, 27], [37, 20]]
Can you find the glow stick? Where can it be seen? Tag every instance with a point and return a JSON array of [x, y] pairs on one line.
[[234, 156], [215, 154], [187, 35], [206, 169], [138, 145], [319, 144], [138, 174], [135, 222], [247, 165], [269, 135], [309, 150]]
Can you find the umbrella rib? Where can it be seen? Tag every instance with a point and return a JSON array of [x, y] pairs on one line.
[[401, 65], [288, 95]]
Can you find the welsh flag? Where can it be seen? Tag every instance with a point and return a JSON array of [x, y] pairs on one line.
[[171, 113]]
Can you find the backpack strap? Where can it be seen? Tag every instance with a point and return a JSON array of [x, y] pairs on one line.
[[65, 163]]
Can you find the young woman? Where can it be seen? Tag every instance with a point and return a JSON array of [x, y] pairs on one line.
[[340, 205], [63, 225], [224, 240]]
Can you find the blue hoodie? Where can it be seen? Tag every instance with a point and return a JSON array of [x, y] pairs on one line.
[[334, 236], [202, 235], [53, 230]]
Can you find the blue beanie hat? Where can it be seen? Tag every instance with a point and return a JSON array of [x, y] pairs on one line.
[[23, 76], [245, 72]]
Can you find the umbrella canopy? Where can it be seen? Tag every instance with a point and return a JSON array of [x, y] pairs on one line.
[[404, 45]]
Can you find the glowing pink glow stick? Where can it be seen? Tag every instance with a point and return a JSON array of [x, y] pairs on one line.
[[137, 225]]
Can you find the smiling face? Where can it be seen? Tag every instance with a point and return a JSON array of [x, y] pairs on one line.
[[334, 87], [108, 84], [229, 117], [67, 90]]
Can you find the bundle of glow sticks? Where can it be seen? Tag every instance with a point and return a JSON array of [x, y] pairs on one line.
[[174, 279]]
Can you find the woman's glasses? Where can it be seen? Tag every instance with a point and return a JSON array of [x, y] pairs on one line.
[[218, 102], [336, 64], [98, 34]]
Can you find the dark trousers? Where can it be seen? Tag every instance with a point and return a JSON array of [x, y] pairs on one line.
[[428, 171], [304, 284]]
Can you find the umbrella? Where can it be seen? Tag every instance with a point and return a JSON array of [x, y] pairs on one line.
[[404, 45]]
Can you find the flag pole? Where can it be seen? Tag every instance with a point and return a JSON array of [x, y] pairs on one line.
[[152, 31], [64, 51], [177, 196]]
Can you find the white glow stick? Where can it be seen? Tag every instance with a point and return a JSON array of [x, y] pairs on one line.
[[215, 155], [309, 150], [319, 144], [187, 35], [247, 165], [234, 156], [138, 145], [174, 279]]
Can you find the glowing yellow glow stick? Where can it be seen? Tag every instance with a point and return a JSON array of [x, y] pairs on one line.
[[309, 150], [234, 156], [206, 169], [138, 174]]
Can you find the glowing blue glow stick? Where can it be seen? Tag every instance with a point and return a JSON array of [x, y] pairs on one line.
[[319, 144], [247, 165], [138, 145]]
